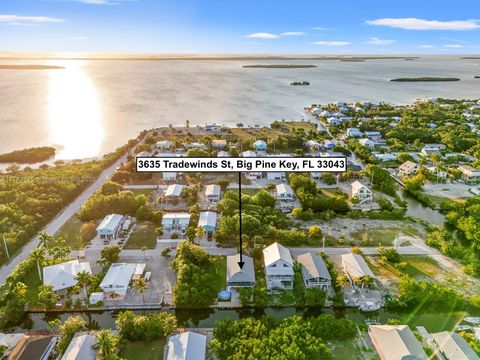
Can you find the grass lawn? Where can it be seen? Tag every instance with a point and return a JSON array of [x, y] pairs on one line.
[[70, 232], [217, 273], [344, 349], [143, 235], [385, 236], [143, 350], [32, 282], [250, 191], [419, 267]]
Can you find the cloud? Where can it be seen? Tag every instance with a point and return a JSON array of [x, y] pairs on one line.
[[426, 46], [292, 33], [320, 28], [261, 35], [421, 24], [379, 42], [332, 43], [453, 46], [28, 20]]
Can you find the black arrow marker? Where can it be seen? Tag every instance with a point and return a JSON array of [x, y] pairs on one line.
[[240, 263]]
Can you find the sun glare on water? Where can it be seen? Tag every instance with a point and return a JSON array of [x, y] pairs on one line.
[[74, 113]]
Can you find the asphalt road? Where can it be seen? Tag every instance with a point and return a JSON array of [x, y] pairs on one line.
[[54, 226]]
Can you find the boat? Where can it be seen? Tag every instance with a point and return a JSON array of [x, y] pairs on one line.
[[301, 83], [463, 328], [472, 320], [369, 306]]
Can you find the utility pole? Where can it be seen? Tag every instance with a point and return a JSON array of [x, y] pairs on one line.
[[240, 263], [6, 247]]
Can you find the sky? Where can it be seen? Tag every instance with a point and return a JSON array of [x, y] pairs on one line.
[[241, 26]]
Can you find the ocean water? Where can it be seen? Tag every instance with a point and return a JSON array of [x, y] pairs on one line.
[[93, 106]]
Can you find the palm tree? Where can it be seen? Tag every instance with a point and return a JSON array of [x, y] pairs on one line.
[[140, 286], [39, 255], [187, 124], [367, 280], [342, 280], [107, 344], [114, 295], [20, 290], [199, 233], [144, 250], [44, 239], [83, 278]]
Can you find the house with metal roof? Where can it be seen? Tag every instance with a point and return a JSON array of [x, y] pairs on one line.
[[117, 279], [208, 221], [81, 347], [213, 192], [407, 168], [355, 266], [176, 221], [236, 277], [278, 267], [396, 342], [186, 346], [110, 226], [285, 192], [173, 191], [452, 346], [361, 192], [63, 276], [314, 271]]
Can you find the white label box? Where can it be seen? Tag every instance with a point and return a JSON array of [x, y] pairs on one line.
[[239, 164]]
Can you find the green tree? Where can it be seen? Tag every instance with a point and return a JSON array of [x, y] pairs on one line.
[[107, 345], [39, 255], [140, 286], [83, 279], [46, 296]]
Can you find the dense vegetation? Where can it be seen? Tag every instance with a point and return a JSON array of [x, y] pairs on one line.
[[194, 268], [28, 156], [292, 338], [29, 199]]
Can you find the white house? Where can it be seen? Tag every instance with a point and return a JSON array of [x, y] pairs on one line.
[[373, 134], [452, 346], [396, 342], [169, 176], [408, 168], [212, 193], [354, 132], [367, 143], [313, 145], [144, 154], [63, 276], [110, 226], [285, 192], [188, 345], [208, 221], [276, 176], [334, 121], [164, 145], [278, 267], [116, 280], [81, 347], [176, 221], [361, 192], [173, 191], [236, 277], [385, 157], [355, 266], [222, 154], [470, 174], [314, 271], [260, 145], [249, 153]]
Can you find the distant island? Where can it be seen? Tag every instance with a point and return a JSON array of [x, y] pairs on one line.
[[300, 83], [28, 156], [30, 67], [352, 60], [425, 78], [279, 66]]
